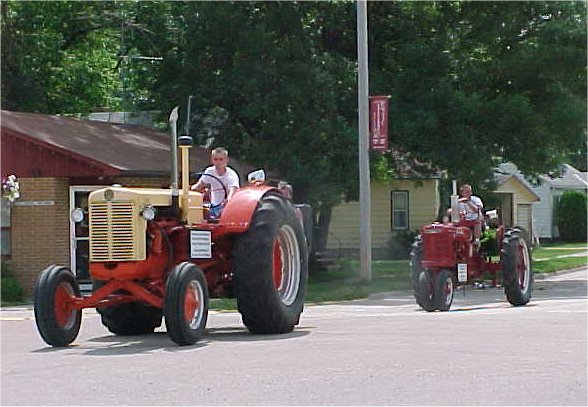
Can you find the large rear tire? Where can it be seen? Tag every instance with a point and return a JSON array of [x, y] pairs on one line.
[[517, 272], [271, 268], [58, 321], [133, 318], [186, 304]]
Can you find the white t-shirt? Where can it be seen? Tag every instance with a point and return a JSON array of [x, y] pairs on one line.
[[472, 209], [217, 193]]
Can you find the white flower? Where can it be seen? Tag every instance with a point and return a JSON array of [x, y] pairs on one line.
[[11, 188]]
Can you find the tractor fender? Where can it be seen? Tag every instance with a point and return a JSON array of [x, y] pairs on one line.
[[237, 214]]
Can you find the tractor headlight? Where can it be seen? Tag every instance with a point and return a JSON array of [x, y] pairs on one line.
[[77, 215], [148, 213]]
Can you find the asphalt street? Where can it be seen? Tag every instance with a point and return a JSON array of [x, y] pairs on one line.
[[379, 351]]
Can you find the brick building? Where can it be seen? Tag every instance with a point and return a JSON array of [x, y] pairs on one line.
[[58, 162]]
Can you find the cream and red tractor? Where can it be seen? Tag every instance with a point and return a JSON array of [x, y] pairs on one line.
[[154, 254], [445, 255]]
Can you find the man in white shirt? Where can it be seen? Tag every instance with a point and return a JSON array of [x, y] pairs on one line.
[[219, 171], [470, 206]]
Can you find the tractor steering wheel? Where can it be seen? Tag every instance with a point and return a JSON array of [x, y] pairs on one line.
[[199, 174]]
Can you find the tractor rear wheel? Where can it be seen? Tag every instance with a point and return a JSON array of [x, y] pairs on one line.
[[444, 289], [422, 280], [516, 267], [133, 318], [186, 304], [57, 318], [271, 268]]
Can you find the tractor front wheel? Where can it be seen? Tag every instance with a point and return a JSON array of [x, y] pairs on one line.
[[425, 291], [186, 304], [271, 268], [422, 280], [516, 268], [57, 318], [444, 290]]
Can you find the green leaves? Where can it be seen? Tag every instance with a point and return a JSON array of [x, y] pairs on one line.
[[471, 83]]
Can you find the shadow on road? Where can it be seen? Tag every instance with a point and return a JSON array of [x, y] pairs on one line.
[[485, 307], [469, 298], [110, 345], [565, 289], [241, 334]]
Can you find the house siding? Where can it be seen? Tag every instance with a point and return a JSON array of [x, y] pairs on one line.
[[543, 212], [423, 209], [550, 187], [522, 203]]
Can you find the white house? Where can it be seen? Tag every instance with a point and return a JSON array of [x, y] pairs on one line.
[[517, 199], [549, 191]]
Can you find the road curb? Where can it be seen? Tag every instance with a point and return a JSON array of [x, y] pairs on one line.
[[543, 276]]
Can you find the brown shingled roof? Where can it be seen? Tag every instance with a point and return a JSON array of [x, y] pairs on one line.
[[129, 149]]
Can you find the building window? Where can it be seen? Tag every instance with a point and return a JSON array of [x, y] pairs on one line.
[[5, 229], [399, 201]]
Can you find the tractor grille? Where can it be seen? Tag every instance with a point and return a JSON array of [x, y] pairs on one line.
[[439, 249], [111, 231]]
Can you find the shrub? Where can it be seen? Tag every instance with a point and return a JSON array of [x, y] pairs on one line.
[[571, 216], [400, 244], [11, 290], [488, 243]]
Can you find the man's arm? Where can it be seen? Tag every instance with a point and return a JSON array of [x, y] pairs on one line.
[[232, 184], [201, 184], [231, 193], [198, 186]]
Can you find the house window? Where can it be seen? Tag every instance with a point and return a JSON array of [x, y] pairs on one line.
[[5, 229], [399, 200]]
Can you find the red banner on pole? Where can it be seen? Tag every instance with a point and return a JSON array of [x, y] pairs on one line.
[[379, 123]]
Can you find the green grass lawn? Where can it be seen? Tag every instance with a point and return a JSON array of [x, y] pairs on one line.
[[344, 283], [548, 258]]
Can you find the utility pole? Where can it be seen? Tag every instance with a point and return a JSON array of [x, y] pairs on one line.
[[365, 233]]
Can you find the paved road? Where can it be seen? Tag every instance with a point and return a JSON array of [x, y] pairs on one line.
[[381, 351]]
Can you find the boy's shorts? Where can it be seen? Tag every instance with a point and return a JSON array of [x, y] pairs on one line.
[[215, 211]]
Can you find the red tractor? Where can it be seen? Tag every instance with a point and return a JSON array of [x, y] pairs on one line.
[[155, 253], [445, 255]]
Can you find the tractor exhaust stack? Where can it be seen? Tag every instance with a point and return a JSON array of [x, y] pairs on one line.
[[173, 119], [454, 204]]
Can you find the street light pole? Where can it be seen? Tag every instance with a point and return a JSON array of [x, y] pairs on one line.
[[365, 241]]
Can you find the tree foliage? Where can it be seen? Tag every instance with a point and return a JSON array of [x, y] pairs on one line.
[[571, 213], [477, 83], [471, 83]]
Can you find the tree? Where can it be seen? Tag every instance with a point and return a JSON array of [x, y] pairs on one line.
[[477, 83], [472, 83], [61, 57], [262, 66], [571, 212]]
